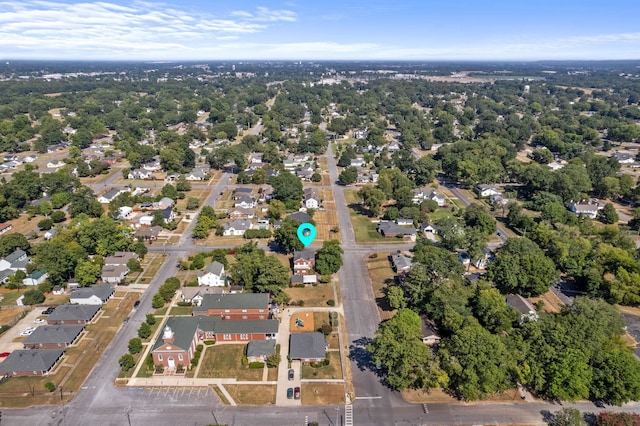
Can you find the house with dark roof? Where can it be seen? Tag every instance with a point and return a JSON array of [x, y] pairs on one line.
[[222, 330], [195, 294], [213, 275], [73, 314], [177, 344], [301, 217], [586, 208], [260, 350], [484, 190], [430, 336], [241, 213], [120, 258], [245, 202], [53, 336], [111, 194], [30, 362], [307, 347], [391, 229], [242, 306], [523, 306], [242, 191], [94, 295]]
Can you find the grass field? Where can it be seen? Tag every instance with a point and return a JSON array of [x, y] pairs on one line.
[[252, 394], [331, 371], [8, 315], [200, 194], [151, 264], [552, 303], [322, 394], [225, 361], [225, 201], [381, 274], [9, 297], [312, 296]]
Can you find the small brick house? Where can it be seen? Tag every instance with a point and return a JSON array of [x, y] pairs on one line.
[[304, 261], [177, 344]]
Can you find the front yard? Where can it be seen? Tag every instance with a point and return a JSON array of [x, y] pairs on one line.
[[331, 371], [225, 361], [313, 295]]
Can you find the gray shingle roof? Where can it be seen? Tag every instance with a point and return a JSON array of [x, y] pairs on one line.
[[23, 360], [261, 348], [13, 257], [74, 312], [54, 334], [306, 254], [307, 345], [103, 291], [215, 268], [234, 301], [300, 217], [184, 328]]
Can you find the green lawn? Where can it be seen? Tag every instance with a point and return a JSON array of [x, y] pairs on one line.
[[181, 310], [366, 231], [331, 371], [439, 214], [351, 196], [225, 361]]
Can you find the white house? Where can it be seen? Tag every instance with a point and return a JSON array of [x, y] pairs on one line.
[[311, 198], [195, 175], [358, 162], [426, 193], [124, 212], [55, 165], [140, 174], [245, 202], [213, 275], [94, 295], [35, 278], [484, 190], [526, 309], [236, 227], [111, 194], [587, 209]]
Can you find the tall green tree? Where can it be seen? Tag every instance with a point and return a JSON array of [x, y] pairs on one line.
[[329, 257], [408, 362]]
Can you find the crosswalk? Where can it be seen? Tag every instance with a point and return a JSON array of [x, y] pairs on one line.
[[348, 415]]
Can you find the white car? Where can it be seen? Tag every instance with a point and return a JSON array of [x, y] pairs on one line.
[[26, 332], [40, 321]]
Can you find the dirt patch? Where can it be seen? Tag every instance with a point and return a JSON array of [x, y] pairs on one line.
[[381, 276], [301, 322], [8, 315], [252, 394], [552, 303], [629, 310], [312, 295], [322, 393]]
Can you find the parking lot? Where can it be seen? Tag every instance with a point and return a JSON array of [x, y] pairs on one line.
[[183, 394], [7, 343]]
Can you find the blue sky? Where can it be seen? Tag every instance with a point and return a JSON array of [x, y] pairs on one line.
[[327, 29]]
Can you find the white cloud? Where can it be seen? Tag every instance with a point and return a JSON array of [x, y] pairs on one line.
[[36, 28]]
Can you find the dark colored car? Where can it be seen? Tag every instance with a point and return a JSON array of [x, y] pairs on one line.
[[296, 393], [47, 311], [6, 354], [135, 305], [126, 320], [290, 374], [289, 393]]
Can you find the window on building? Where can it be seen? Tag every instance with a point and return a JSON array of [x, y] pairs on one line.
[[227, 337], [179, 357], [159, 357], [244, 317], [244, 310], [244, 337], [227, 310]]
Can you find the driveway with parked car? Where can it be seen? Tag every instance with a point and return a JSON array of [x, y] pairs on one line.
[[7, 338]]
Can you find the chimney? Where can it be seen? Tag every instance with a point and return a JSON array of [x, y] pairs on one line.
[[167, 335]]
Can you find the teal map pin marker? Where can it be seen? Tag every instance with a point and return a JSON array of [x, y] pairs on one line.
[[306, 233]]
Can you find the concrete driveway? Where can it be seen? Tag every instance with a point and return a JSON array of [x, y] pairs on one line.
[[7, 343], [633, 328]]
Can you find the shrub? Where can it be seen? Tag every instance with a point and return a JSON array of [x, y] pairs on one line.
[[299, 286], [257, 233], [256, 365], [325, 329], [50, 386], [33, 297], [126, 362], [135, 345], [151, 319], [157, 301], [185, 304], [331, 302], [199, 348], [325, 279], [144, 331], [273, 360], [4, 328], [373, 256], [209, 342], [244, 361]]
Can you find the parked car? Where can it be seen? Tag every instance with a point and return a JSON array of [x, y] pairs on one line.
[[289, 393], [126, 320], [47, 311], [291, 374], [135, 305], [6, 354], [27, 332], [296, 393], [40, 321]]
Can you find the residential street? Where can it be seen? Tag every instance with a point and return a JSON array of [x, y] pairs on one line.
[[101, 402]]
